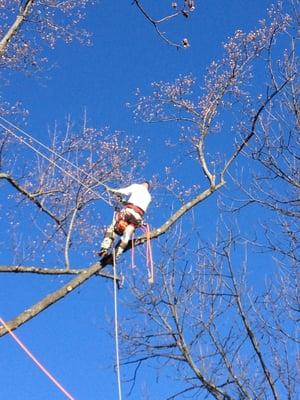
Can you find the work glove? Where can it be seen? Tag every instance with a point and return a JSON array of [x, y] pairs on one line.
[[119, 197], [117, 194]]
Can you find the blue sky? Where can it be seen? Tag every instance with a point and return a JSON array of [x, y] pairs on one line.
[[72, 338]]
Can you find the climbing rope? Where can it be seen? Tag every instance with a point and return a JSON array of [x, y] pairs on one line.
[[146, 229], [33, 358], [23, 141], [118, 369], [33, 139]]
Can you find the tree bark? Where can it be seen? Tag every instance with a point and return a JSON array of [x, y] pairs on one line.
[[24, 11]]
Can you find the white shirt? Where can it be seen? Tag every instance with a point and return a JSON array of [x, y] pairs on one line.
[[138, 195]]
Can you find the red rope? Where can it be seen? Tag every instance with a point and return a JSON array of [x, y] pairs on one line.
[[27, 351]]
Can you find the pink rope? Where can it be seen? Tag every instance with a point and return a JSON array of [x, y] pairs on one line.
[[132, 252], [27, 351], [149, 258], [151, 264]]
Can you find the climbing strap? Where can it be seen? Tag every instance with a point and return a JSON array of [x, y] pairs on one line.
[[149, 257]]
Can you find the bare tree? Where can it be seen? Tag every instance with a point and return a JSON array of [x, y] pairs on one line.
[[208, 328], [275, 157], [202, 318], [206, 324], [63, 182], [49, 187], [224, 85], [26, 26]]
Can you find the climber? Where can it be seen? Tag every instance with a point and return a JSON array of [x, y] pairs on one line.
[[128, 219]]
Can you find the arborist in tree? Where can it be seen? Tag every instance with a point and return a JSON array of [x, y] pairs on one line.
[[128, 218]]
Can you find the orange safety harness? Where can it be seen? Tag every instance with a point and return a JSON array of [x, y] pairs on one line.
[[124, 218]]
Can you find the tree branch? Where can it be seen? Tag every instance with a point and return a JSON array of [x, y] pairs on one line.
[[29, 196], [178, 214], [156, 23], [249, 329], [52, 298], [50, 271], [253, 126], [95, 268], [184, 348], [24, 11], [68, 238]]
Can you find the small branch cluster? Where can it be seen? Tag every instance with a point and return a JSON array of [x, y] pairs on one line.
[[52, 21], [180, 9]]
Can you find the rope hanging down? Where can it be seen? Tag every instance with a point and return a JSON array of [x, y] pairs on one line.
[[116, 322], [148, 247], [150, 264], [40, 366], [149, 257]]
